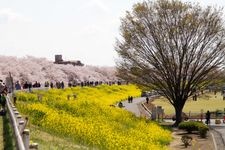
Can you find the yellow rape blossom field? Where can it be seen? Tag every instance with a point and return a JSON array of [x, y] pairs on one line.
[[88, 119]]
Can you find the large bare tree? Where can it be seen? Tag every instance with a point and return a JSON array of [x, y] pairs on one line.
[[171, 46]]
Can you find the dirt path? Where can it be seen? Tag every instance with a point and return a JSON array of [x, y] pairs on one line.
[[197, 143]]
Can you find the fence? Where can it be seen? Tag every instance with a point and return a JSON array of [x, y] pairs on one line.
[[155, 112], [22, 135], [198, 115]]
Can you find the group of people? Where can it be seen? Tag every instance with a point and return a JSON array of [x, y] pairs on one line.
[[93, 83], [61, 85], [130, 99], [58, 85], [27, 85]]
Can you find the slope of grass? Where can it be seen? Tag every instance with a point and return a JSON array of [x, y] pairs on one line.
[[7, 140], [1, 133], [207, 101], [47, 141], [89, 119]]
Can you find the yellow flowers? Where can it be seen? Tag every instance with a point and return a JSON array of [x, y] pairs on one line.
[[90, 120]]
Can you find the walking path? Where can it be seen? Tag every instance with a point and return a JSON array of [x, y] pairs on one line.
[[134, 107], [218, 130]]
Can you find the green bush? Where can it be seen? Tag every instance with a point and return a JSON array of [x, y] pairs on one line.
[[202, 130], [189, 126], [186, 140], [194, 126]]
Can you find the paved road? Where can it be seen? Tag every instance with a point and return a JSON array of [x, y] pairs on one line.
[[218, 131], [134, 106]]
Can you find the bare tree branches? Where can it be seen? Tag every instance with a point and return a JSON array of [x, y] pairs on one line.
[[171, 46]]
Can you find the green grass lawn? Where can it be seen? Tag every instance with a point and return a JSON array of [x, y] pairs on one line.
[[48, 141], [7, 141], [207, 101], [1, 133]]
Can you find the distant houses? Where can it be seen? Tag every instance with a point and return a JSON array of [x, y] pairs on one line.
[[59, 60]]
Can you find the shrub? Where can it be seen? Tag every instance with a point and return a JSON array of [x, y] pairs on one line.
[[202, 130], [194, 126], [217, 121], [186, 140], [189, 126]]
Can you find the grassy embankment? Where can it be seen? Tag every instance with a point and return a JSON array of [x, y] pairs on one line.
[[6, 134], [1, 133], [88, 120]]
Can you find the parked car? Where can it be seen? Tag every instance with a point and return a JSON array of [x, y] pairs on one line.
[[183, 115]]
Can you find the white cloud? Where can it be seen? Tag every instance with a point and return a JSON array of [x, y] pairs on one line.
[[101, 5], [95, 4], [7, 15]]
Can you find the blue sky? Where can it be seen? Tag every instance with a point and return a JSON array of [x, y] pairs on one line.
[[78, 29]]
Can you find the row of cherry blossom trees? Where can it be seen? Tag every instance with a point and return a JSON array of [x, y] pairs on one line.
[[33, 69]]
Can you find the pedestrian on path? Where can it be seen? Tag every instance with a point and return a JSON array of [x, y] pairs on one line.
[[131, 99], [128, 99], [147, 99], [207, 118]]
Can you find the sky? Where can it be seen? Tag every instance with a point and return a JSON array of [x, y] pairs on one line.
[[84, 30]]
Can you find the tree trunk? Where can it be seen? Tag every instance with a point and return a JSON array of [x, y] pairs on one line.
[[178, 111]]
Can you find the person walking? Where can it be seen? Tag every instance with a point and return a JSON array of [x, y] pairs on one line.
[[131, 99], [147, 99], [128, 99], [51, 85], [207, 117]]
